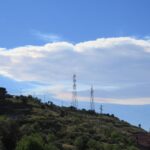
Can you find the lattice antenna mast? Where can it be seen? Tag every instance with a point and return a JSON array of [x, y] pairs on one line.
[[101, 109], [74, 92], [92, 99]]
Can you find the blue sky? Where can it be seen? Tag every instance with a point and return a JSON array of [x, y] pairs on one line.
[[75, 20], [106, 43]]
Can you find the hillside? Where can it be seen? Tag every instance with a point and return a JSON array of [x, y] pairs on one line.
[[28, 124]]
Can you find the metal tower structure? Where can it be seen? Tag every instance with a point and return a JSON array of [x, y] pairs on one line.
[[74, 92], [92, 107], [101, 109]]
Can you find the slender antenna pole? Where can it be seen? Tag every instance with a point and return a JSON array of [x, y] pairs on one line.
[[92, 107], [74, 93]]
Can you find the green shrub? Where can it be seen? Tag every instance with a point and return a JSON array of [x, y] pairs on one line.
[[50, 146], [32, 142], [50, 137], [132, 148], [94, 145], [107, 146], [81, 142], [1, 146]]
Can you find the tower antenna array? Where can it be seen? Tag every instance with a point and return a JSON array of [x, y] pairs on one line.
[[101, 109], [74, 92], [92, 99]]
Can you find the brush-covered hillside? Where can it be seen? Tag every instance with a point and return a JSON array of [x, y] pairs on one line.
[[28, 124]]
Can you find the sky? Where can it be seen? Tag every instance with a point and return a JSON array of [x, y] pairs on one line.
[[105, 43]]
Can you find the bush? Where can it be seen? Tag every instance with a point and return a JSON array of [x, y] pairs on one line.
[[3, 93], [1, 146], [107, 146], [116, 137], [132, 148], [9, 134], [50, 146], [50, 137], [92, 144], [32, 142], [81, 142]]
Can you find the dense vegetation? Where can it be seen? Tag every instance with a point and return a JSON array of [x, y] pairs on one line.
[[28, 124]]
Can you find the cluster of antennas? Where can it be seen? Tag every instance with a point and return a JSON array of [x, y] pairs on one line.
[[74, 93], [74, 102]]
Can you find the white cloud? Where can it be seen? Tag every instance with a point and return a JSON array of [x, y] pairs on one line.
[[106, 62], [47, 37]]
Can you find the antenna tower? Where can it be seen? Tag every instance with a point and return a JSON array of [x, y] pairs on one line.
[[92, 99], [101, 109], [74, 93]]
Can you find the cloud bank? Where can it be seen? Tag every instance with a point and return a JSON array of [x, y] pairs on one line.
[[119, 62]]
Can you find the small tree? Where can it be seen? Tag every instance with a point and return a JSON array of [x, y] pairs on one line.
[[3, 93], [139, 125]]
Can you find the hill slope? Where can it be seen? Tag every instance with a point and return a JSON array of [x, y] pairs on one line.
[[28, 124]]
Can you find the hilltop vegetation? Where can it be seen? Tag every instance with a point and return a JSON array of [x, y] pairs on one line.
[[28, 124]]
